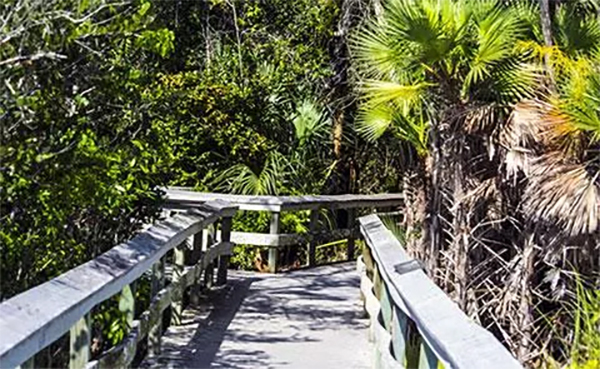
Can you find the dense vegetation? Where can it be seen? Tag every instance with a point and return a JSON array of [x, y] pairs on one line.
[[485, 114], [501, 115]]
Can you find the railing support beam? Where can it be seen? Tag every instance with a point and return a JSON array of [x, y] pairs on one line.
[[312, 246], [224, 259], [79, 354], [274, 252]]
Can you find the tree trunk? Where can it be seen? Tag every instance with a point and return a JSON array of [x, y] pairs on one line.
[[340, 96], [460, 241], [525, 327], [546, 21]]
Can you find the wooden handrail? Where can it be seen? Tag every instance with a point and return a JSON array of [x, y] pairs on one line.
[[184, 197], [414, 323], [39, 316], [178, 198]]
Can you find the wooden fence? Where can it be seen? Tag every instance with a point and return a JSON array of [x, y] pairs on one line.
[[34, 319], [414, 324], [185, 198]]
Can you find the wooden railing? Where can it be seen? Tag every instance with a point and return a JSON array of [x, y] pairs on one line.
[[36, 318], [413, 323], [184, 198]]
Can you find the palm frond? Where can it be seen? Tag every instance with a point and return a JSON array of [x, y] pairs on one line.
[[562, 194], [310, 123], [242, 179], [408, 125], [383, 92]]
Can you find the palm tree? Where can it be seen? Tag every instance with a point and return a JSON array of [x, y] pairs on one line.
[[503, 150], [438, 74]]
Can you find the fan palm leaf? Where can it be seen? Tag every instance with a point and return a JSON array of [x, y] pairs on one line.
[[242, 179]]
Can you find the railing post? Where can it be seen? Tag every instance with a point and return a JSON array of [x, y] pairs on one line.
[[224, 259], [351, 223], [208, 238], [274, 251], [178, 268], [196, 256], [79, 354], [312, 246], [127, 304], [155, 332]]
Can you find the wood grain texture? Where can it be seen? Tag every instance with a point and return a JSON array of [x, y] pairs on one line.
[[274, 253], [80, 336], [34, 319], [178, 197], [452, 337]]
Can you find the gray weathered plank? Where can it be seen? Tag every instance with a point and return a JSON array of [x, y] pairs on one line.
[[312, 246], [266, 239], [80, 336], [155, 331], [456, 340], [185, 197], [274, 253], [178, 270], [34, 319], [224, 257]]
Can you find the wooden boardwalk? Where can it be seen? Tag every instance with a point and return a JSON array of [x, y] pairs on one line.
[[303, 319]]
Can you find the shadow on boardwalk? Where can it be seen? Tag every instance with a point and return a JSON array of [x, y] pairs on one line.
[[300, 319]]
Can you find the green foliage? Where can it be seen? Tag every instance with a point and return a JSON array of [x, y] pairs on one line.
[[78, 174], [585, 351], [423, 57]]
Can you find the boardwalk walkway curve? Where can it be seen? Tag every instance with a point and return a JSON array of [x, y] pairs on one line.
[[201, 315]]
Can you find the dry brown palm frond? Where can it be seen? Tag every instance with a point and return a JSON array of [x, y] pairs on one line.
[[562, 194], [517, 160], [483, 118], [523, 129], [535, 124]]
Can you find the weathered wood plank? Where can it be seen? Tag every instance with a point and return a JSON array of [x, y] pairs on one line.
[[288, 239], [29, 364], [224, 257], [274, 253], [266, 239], [155, 331], [179, 197], [207, 265], [399, 334], [80, 337], [34, 319], [312, 246], [178, 269], [351, 224], [123, 354], [454, 339]]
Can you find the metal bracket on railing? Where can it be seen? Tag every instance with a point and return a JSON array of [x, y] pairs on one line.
[[409, 266]]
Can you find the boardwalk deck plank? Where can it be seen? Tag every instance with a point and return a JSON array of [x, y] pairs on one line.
[[302, 319]]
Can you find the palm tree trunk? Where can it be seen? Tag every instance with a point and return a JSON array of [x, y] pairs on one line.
[[526, 298], [340, 94], [546, 20], [460, 241], [413, 190], [433, 230]]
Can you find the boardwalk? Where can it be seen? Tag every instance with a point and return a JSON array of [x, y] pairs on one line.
[[303, 319]]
